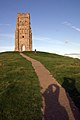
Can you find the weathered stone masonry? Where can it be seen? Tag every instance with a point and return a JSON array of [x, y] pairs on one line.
[[23, 33]]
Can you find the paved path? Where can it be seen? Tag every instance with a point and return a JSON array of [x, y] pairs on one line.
[[56, 104]]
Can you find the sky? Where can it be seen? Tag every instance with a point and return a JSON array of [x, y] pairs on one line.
[[55, 24]]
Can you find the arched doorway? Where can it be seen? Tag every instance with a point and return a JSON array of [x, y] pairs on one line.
[[23, 48]]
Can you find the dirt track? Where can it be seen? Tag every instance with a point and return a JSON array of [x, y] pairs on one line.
[[56, 104]]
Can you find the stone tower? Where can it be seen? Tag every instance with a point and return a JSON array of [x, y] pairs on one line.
[[23, 33]]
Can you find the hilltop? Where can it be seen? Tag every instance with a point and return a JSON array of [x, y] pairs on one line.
[[19, 85]]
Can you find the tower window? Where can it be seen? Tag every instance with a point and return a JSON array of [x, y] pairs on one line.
[[22, 36]]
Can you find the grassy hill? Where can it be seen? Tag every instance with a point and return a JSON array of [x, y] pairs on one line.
[[65, 70], [20, 97]]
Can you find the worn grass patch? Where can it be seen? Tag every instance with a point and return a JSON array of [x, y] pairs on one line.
[[20, 97], [65, 70]]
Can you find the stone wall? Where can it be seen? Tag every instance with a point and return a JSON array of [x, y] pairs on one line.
[[23, 33]]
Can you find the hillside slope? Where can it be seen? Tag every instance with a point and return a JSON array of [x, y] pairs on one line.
[[65, 70], [20, 97]]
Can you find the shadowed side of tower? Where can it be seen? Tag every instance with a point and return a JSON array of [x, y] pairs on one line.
[[23, 33]]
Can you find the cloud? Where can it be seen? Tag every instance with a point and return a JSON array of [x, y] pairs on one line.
[[6, 48], [67, 23], [49, 41], [40, 38], [66, 42], [72, 26], [5, 24], [7, 35], [75, 28]]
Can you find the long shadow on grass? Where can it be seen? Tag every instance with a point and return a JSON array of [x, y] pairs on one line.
[[53, 109], [69, 85]]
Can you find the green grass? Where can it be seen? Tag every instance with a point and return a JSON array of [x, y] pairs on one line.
[[20, 97], [65, 70]]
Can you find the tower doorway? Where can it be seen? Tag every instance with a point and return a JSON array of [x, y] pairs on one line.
[[23, 48]]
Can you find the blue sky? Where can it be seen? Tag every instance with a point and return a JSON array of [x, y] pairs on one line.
[[55, 24]]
